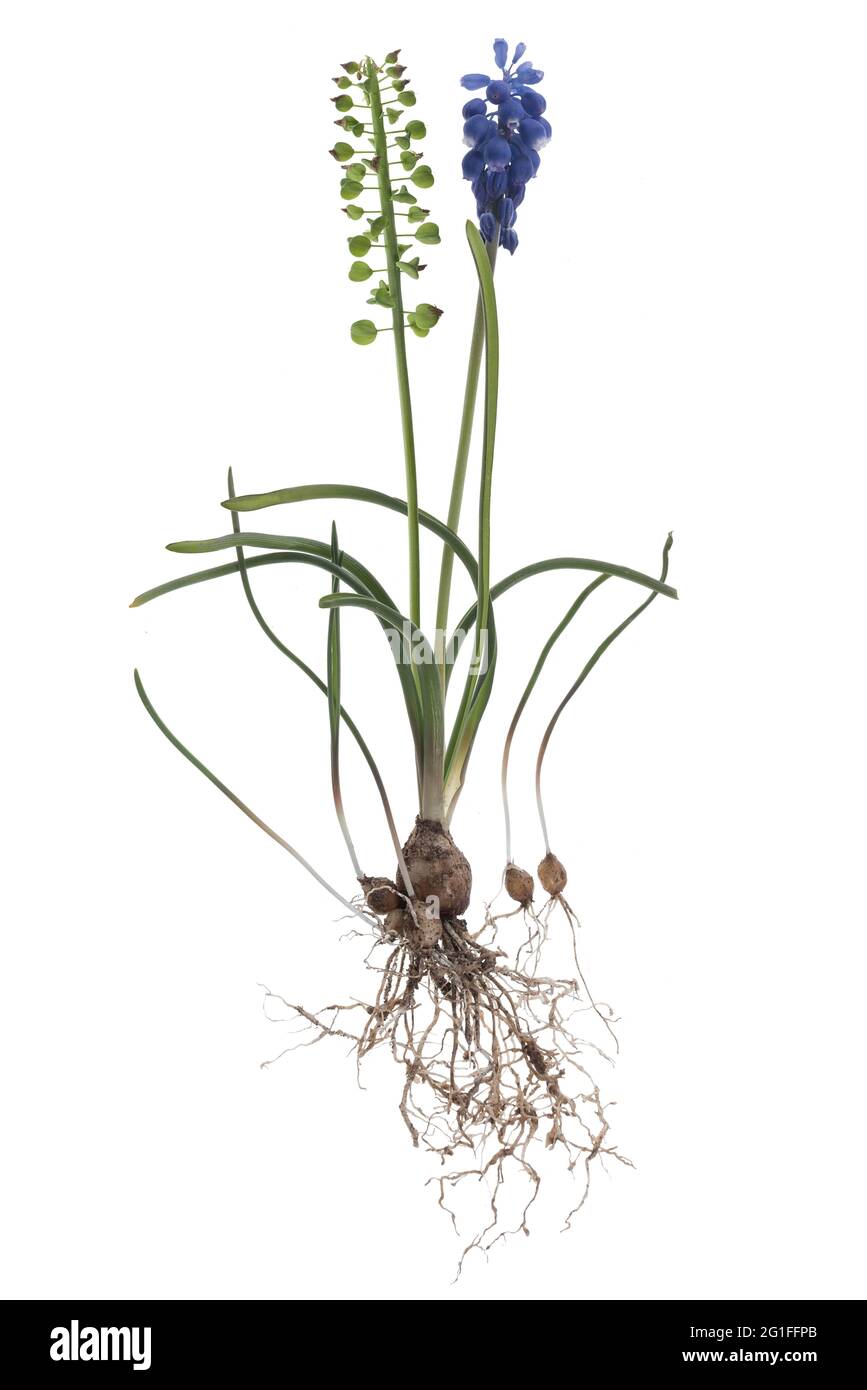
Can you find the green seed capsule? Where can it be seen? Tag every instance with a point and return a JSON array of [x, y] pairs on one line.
[[363, 331], [427, 315]]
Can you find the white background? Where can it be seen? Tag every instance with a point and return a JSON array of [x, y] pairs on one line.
[[683, 347]]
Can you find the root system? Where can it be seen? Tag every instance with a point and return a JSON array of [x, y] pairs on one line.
[[494, 1070]]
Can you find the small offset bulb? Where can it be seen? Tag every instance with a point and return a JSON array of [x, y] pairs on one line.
[[519, 885], [552, 875], [381, 895]]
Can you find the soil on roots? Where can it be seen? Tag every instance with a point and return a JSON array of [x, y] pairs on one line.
[[493, 1071]]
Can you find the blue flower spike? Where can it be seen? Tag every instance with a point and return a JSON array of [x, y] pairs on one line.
[[505, 131]]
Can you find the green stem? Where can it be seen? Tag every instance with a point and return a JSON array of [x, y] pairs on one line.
[[492, 377], [394, 286], [460, 474]]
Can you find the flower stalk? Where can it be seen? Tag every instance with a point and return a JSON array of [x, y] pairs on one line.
[[459, 478]]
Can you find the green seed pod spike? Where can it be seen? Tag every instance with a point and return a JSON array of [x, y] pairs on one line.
[[381, 96]]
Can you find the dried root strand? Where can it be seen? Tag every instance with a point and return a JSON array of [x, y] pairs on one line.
[[491, 1066]]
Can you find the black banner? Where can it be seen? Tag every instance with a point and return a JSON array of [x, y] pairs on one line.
[[159, 1339]]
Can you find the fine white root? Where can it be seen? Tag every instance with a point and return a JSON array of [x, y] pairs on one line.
[[604, 1012], [493, 1072]]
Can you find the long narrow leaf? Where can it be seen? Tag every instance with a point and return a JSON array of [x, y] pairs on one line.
[[600, 651], [236, 800], [350, 571], [466, 724], [318, 491], [185, 581], [243, 565], [305, 557], [528, 690], [481, 674], [464, 737], [333, 681], [314, 492], [461, 741], [421, 657], [563, 562]]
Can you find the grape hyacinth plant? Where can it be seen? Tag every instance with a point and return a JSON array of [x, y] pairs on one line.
[[495, 1079]]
